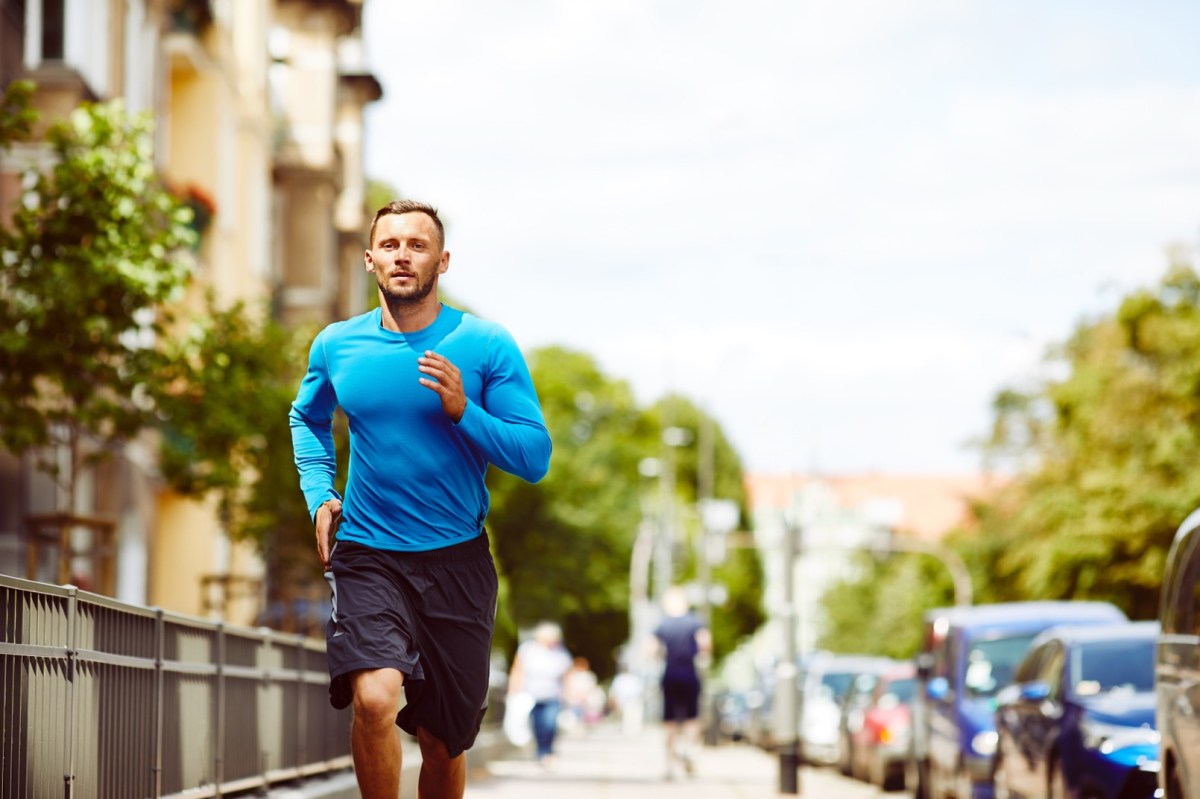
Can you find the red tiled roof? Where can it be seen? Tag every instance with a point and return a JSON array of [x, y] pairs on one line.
[[931, 505]]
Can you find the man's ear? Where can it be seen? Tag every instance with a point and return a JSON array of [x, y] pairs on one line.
[[368, 261], [444, 264]]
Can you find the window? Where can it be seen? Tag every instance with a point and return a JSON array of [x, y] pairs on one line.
[[54, 31], [1105, 666], [990, 664], [70, 32]]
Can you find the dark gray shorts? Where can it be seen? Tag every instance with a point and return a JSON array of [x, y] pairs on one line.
[[428, 614]]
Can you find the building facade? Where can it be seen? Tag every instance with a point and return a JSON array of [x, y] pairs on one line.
[[258, 106]]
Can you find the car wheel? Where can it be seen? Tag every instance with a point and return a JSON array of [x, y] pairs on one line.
[[891, 778]]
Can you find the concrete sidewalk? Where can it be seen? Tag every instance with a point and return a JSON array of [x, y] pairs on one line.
[[604, 764]]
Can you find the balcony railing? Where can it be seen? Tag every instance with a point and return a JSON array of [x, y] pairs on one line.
[[103, 699]]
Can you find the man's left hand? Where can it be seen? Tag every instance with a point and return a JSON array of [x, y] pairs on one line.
[[447, 383]]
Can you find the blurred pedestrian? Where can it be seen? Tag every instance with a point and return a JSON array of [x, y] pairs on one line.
[[579, 687], [434, 395], [627, 695], [538, 670], [682, 637]]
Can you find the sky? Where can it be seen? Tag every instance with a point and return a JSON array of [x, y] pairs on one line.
[[838, 226]]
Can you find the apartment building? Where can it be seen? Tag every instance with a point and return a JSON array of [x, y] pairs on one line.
[[259, 124]]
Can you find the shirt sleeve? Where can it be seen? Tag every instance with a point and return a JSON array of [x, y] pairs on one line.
[[509, 428], [311, 421]]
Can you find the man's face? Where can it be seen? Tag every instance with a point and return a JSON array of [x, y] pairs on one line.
[[406, 256]]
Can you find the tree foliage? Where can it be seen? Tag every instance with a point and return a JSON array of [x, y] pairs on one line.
[[16, 115], [92, 259], [564, 545], [1102, 453], [229, 378], [879, 611], [1113, 440]]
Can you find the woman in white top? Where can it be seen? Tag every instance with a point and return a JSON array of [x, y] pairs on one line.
[[538, 671]]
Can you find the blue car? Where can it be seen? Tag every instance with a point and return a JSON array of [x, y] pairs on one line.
[[970, 654], [1079, 721]]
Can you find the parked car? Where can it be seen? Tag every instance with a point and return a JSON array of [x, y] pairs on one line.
[[881, 741], [1079, 720], [826, 679], [970, 653], [857, 699], [732, 715], [1177, 670]]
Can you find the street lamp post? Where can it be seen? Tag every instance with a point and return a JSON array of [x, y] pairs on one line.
[[786, 672]]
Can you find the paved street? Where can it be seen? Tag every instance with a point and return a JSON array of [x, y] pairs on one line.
[[603, 764]]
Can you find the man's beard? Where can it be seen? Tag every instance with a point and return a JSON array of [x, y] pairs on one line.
[[412, 295]]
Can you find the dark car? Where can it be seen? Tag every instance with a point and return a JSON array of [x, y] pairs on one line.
[[881, 739], [1079, 721], [969, 654]]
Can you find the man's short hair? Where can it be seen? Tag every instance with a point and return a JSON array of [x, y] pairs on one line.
[[409, 207]]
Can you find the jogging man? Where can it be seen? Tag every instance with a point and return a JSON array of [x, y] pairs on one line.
[[433, 396]]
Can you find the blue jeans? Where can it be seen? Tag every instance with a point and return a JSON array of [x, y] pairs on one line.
[[545, 724]]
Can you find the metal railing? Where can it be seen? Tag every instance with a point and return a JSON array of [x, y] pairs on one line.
[[101, 699]]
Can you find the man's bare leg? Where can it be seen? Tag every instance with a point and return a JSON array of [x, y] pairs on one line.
[[442, 776], [672, 737], [690, 736], [374, 737]]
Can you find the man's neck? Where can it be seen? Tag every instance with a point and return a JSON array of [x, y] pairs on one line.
[[403, 317]]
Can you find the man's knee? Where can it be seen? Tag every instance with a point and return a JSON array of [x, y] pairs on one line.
[[377, 695]]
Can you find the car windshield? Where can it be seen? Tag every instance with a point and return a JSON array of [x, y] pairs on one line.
[[835, 684], [902, 689], [1104, 666], [990, 664]]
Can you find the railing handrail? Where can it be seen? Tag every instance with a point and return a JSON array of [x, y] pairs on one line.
[[160, 678]]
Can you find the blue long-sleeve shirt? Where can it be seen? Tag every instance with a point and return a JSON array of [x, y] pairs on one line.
[[416, 479]]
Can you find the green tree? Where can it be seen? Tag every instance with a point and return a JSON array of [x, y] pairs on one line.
[[93, 257], [1112, 442], [879, 610], [564, 545], [223, 412], [1102, 456], [16, 115], [741, 572]]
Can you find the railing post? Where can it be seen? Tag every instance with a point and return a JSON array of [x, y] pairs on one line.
[[160, 649], [301, 702], [219, 750], [72, 713], [264, 691]]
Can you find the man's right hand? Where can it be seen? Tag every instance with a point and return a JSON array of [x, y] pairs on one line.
[[328, 516]]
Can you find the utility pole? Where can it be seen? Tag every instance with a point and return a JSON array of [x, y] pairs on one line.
[[786, 672], [704, 491]]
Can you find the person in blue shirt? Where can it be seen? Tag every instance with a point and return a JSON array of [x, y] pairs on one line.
[[682, 639], [433, 396]]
